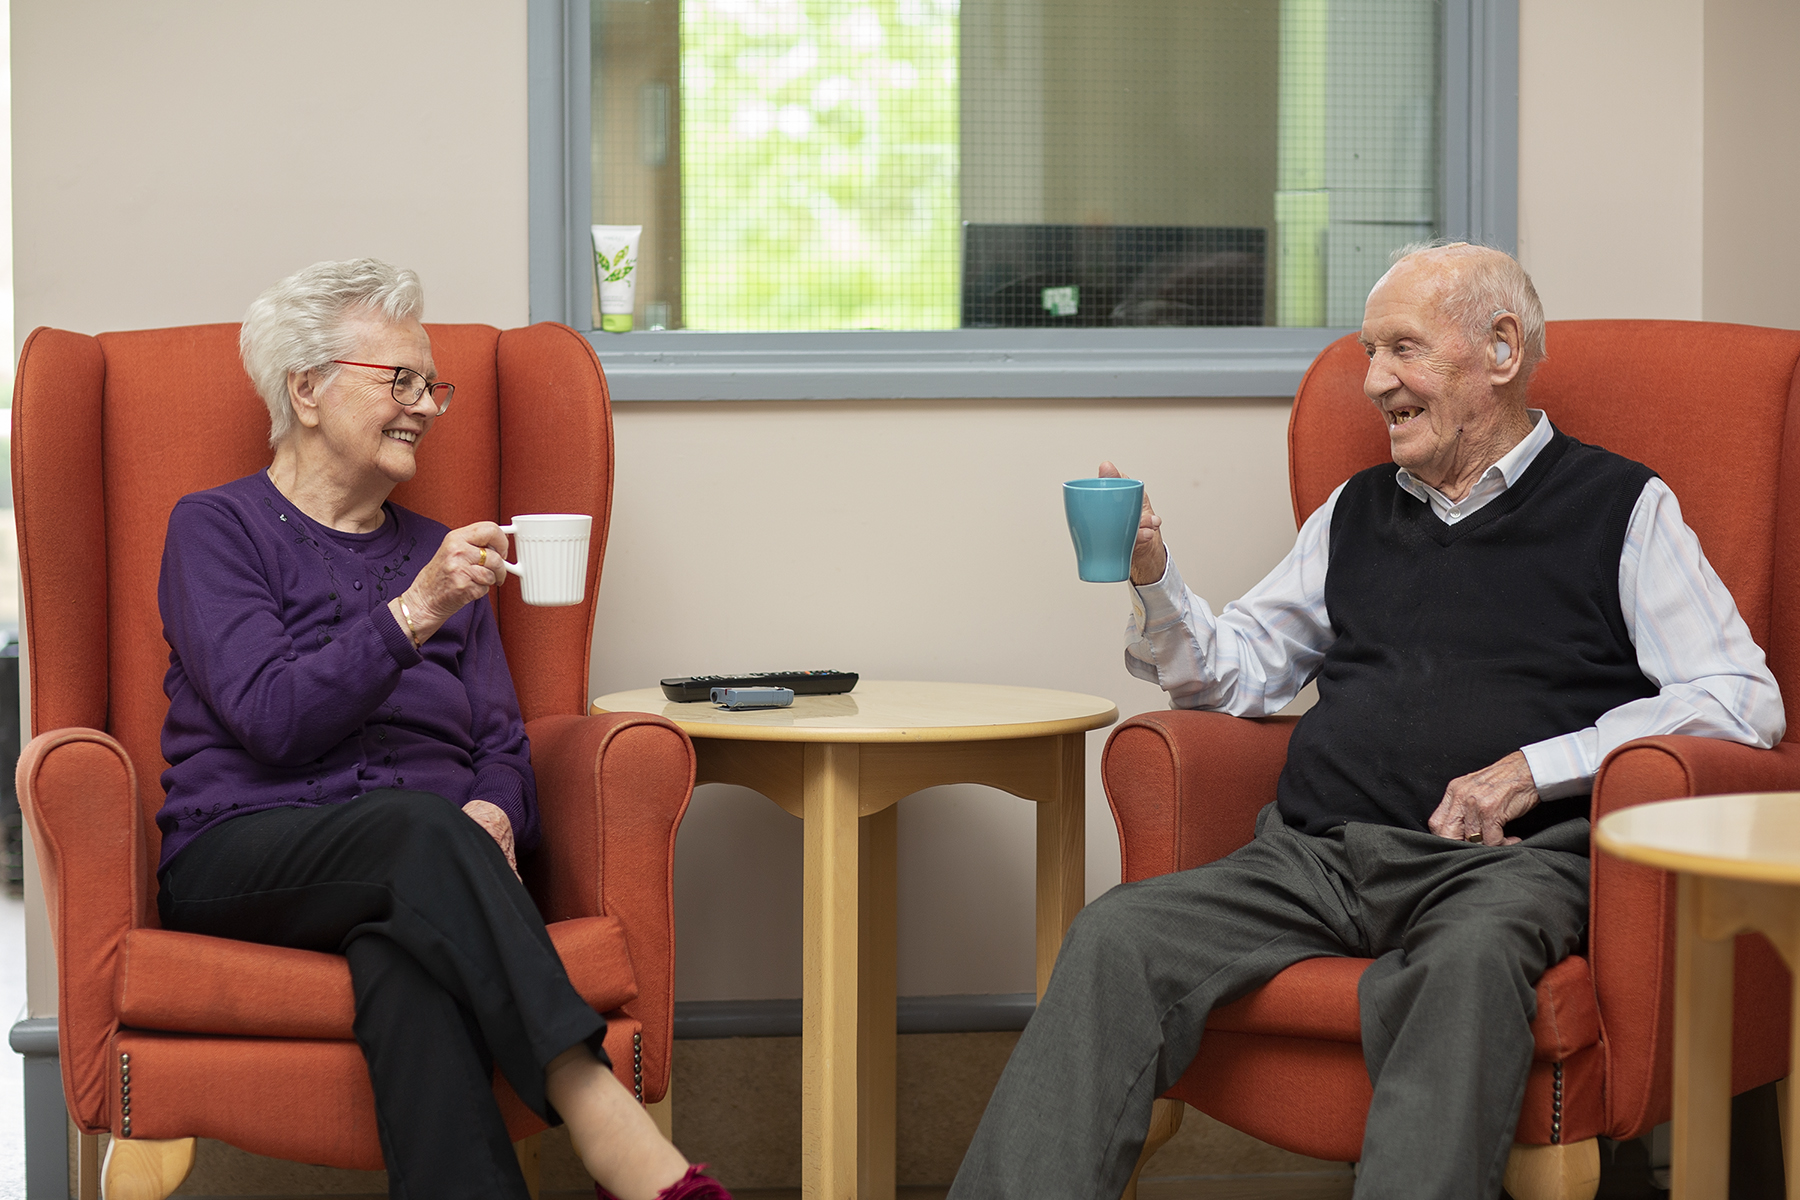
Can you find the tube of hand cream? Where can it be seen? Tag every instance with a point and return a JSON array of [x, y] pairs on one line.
[[615, 265]]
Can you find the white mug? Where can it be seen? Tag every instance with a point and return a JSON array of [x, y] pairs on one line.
[[553, 553]]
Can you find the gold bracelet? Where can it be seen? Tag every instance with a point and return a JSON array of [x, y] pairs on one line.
[[411, 630]]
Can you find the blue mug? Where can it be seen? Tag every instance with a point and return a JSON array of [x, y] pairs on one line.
[[1103, 521]]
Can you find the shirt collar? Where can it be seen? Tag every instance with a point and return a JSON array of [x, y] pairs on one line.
[[1501, 475]]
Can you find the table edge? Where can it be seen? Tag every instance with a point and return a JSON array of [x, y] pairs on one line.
[[1681, 863], [719, 731]]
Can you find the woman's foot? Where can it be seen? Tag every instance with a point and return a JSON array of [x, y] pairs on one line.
[[613, 1136], [692, 1186]]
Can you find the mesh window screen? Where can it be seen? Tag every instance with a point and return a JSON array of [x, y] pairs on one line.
[[925, 164]]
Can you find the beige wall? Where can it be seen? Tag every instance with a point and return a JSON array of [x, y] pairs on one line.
[[1611, 173], [172, 159], [1659, 157], [1752, 271]]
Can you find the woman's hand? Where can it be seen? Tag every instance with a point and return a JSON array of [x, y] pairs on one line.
[[1149, 557], [466, 565], [489, 817]]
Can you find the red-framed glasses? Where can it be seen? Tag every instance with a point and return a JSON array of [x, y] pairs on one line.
[[409, 386]]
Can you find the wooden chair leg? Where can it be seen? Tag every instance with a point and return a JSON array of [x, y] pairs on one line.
[[530, 1162], [1165, 1119], [145, 1168], [87, 1167], [1554, 1172]]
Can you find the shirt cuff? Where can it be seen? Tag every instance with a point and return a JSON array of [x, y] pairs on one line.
[[1163, 603], [1564, 766]]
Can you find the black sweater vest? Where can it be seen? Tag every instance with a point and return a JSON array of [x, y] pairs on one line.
[[1458, 644]]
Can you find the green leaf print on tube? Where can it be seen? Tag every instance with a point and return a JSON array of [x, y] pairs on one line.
[[615, 267]]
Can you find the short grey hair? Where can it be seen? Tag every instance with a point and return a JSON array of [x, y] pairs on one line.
[[304, 322], [1487, 282]]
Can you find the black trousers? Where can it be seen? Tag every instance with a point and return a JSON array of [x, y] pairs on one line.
[[452, 967], [1459, 935]]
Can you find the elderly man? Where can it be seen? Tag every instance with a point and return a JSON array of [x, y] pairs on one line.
[[1484, 623]]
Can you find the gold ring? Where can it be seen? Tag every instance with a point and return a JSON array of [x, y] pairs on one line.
[[1472, 837], [482, 561]]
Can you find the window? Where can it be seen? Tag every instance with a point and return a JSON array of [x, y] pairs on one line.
[[927, 188], [813, 181]]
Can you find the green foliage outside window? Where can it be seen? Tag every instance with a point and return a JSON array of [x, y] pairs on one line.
[[819, 148]]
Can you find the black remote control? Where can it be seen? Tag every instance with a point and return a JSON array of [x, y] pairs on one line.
[[689, 688]]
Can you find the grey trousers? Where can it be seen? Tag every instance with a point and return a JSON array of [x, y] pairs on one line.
[[1459, 935]]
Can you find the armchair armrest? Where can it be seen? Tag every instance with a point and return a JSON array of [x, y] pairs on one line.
[[78, 791], [1185, 786], [612, 790], [1631, 929]]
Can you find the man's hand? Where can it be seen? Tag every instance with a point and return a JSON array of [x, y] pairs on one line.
[[1149, 558], [1477, 806], [489, 817]]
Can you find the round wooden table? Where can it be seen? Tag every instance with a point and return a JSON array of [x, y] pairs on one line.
[[1737, 862], [840, 763]]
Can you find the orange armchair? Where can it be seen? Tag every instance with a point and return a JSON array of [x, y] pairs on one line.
[[166, 1035], [1715, 409]]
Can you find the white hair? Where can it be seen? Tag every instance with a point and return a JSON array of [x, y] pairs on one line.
[[1484, 283], [304, 322]]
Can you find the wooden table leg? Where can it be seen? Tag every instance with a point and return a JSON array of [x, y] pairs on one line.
[[1702, 1068], [877, 1018], [1061, 853], [828, 1085]]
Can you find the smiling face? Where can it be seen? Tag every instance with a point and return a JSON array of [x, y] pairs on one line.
[[1448, 417], [368, 438]]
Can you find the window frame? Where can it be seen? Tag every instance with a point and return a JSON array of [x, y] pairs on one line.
[[1478, 197]]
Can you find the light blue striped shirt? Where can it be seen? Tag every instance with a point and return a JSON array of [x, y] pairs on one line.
[[1255, 656]]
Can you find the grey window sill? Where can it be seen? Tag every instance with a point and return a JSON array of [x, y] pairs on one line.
[[964, 364]]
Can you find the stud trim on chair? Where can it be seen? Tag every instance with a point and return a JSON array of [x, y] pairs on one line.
[[1556, 1093], [125, 1095]]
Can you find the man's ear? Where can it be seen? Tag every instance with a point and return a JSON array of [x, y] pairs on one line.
[[1505, 350], [303, 395]]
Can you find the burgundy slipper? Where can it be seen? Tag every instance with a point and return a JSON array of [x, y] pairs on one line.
[[692, 1186]]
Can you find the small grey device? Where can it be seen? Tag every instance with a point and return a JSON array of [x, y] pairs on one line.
[[752, 697]]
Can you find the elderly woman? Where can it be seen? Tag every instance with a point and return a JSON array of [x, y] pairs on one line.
[[348, 766]]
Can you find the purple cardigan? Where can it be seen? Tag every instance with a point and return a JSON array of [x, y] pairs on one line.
[[291, 685]]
